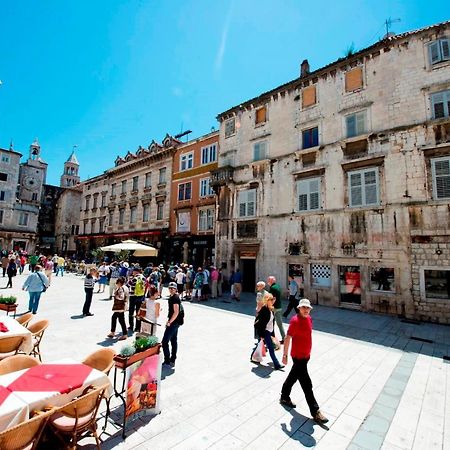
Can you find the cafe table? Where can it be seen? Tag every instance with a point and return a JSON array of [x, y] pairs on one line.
[[46, 385], [15, 329]]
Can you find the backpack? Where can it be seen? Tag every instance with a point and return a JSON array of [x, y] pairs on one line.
[[139, 288], [180, 318]]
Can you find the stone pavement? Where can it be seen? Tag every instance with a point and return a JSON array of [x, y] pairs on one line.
[[383, 383]]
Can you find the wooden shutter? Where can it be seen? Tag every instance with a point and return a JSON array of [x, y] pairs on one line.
[[355, 186], [354, 79], [434, 52], [351, 125], [259, 151], [441, 175], [371, 187], [445, 49], [314, 194], [260, 116], [242, 197], [437, 101], [360, 122], [251, 202], [309, 96], [302, 193]]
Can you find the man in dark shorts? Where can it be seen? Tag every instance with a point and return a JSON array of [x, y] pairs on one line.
[[174, 320]]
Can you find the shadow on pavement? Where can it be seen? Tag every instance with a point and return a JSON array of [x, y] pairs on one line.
[[77, 316]]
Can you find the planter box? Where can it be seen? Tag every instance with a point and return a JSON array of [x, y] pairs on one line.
[[8, 307], [122, 362]]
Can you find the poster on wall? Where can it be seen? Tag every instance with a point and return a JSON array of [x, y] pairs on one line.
[[184, 222], [143, 388]]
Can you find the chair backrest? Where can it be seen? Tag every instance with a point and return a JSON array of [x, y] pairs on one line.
[[38, 327], [25, 434], [25, 319], [10, 344], [17, 362], [101, 359], [86, 404]]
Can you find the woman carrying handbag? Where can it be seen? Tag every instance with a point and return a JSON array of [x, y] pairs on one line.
[[264, 324]]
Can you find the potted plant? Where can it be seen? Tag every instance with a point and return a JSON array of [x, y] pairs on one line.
[[8, 304], [141, 348]]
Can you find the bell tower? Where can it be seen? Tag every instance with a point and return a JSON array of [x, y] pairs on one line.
[[70, 176]]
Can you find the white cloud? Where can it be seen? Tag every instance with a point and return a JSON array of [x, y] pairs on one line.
[[223, 40]]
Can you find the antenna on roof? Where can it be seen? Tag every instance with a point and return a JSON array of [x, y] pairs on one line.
[[184, 133], [388, 23]]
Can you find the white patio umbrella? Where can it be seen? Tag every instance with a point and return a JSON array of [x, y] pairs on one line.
[[139, 249]]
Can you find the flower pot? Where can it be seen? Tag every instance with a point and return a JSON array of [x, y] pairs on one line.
[[8, 307], [122, 362]]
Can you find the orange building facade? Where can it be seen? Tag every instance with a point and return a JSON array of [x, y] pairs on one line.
[[193, 201]]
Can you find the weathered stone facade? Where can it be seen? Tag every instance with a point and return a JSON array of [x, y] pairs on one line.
[[335, 177]]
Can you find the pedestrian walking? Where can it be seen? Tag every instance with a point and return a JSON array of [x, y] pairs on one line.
[[136, 285], [275, 290], [237, 284], [61, 266], [219, 283], [260, 293], [35, 284], [115, 274], [189, 281], [264, 327], [55, 260], [198, 284], [48, 269], [11, 271], [180, 279], [175, 318], [120, 305], [293, 301], [214, 281], [103, 272], [33, 260], [300, 333], [149, 311], [23, 262], [5, 262], [89, 283]]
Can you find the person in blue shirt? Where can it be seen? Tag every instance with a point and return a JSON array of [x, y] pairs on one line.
[[35, 284]]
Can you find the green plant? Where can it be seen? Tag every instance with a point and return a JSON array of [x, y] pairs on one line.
[[127, 350], [123, 255], [144, 342], [11, 300], [98, 254]]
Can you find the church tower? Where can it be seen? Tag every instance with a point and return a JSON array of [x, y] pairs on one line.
[[70, 176]]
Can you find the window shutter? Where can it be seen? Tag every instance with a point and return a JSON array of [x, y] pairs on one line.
[[188, 191], [354, 79], [351, 125], [438, 105], [251, 202], [371, 187], [259, 151], [314, 194], [309, 96], [355, 189], [242, 204], [302, 192], [360, 123], [445, 49], [442, 178], [434, 52]]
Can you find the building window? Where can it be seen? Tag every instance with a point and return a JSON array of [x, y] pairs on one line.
[[321, 275], [113, 189], [230, 127], [209, 154], [186, 161], [1, 215], [133, 214], [34, 197], [148, 180], [206, 219], [162, 175], [439, 51], [260, 151], [103, 200], [101, 225], [5, 158], [184, 222], [354, 79], [160, 211], [308, 194], [184, 191], [309, 96], [363, 187], [440, 103], [350, 284], [95, 202], [382, 279], [310, 137], [2, 196], [437, 284], [23, 219], [85, 228], [111, 218], [260, 115], [205, 187], [121, 215], [135, 184], [146, 212], [440, 169], [87, 201], [124, 187], [93, 222], [356, 124], [3, 176], [247, 203]]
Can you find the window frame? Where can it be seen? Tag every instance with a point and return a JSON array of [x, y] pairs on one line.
[[362, 172], [182, 189], [162, 175], [186, 160], [2, 214], [266, 150], [439, 43], [209, 150], [148, 180], [266, 117], [206, 216], [6, 177], [159, 210], [121, 216], [356, 114], [135, 184], [6, 159], [433, 161], [133, 214], [248, 201], [23, 219], [146, 212], [308, 181], [206, 182], [2, 196], [226, 132], [312, 140], [123, 187], [113, 189], [445, 102]]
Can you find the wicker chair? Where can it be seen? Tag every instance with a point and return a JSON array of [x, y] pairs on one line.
[[24, 320], [79, 416], [10, 346], [17, 362], [27, 434], [37, 330], [101, 360]]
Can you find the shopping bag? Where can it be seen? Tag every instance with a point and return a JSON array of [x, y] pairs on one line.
[[276, 343], [257, 355]]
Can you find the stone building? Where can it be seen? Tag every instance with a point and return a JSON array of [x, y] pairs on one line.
[[21, 187], [193, 201], [341, 177], [130, 200]]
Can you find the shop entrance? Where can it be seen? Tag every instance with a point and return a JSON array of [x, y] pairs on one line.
[[350, 284], [248, 267]]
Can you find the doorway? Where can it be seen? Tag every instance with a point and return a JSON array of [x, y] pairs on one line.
[[248, 267]]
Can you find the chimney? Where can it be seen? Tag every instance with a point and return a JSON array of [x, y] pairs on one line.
[[304, 68]]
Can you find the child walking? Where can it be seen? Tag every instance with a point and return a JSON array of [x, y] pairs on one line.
[[89, 283], [149, 311]]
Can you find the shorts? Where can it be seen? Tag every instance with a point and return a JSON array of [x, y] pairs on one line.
[[102, 279], [180, 288]]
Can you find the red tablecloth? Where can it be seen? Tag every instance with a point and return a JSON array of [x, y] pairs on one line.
[[4, 393]]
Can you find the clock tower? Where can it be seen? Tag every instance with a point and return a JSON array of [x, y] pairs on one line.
[[32, 175], [70, 176]]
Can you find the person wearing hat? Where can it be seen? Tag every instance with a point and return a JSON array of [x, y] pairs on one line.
[[174, 320], [300, 332]]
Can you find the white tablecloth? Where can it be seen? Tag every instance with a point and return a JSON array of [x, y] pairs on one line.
[[12, 409], [15, 329]]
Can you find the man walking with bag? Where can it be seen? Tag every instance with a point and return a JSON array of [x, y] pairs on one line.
[[300, 332]]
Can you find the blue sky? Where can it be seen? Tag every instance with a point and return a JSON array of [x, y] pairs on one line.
[[110, 75]]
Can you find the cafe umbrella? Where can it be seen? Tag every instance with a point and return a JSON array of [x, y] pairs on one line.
[[130, 245]]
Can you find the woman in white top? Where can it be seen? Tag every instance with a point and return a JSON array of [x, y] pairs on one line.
[[149, 311]]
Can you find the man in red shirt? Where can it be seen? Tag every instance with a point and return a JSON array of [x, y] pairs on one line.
[[300, 332]]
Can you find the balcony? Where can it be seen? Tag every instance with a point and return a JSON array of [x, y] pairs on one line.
[[222, 176]]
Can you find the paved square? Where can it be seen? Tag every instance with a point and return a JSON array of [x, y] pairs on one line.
[[383, 383]]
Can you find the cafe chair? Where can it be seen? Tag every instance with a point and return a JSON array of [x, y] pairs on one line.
[[17, 362], [10, 346], [27, 434], [78, 418], [101, 359], [37, 330], [24, 320]]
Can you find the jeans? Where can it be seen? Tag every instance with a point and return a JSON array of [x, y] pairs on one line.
[[170, 335], [10, 277], [293, 303], [279, 321], [87, 302], [121, 316], [60, 270], [299, 372], [34, 301], [269, 345], [135, 304]]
